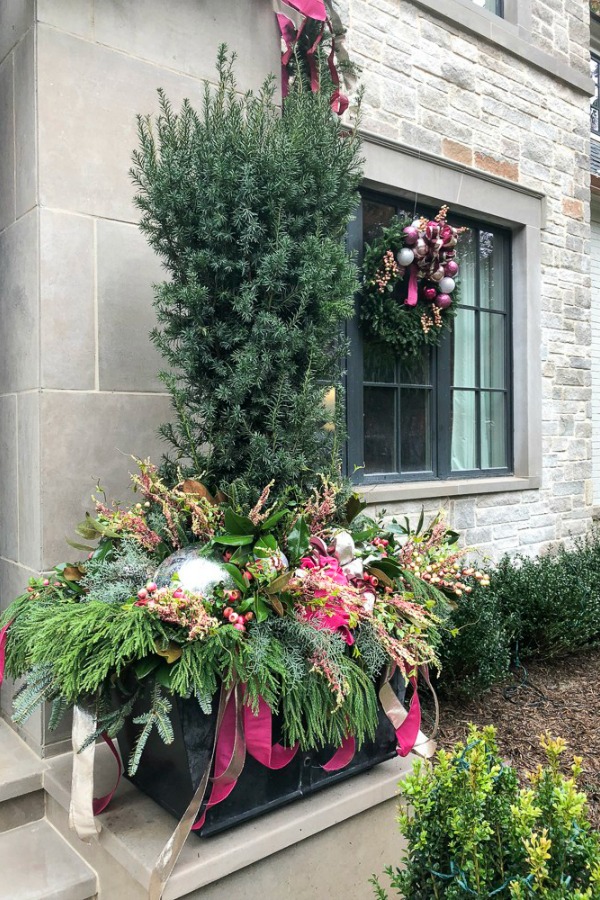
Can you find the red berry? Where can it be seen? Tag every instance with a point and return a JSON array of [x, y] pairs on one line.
[[151, 586], [239, 626], [178, 594], [249, 616], [142, 594], [233, 617], [45, 582], [227, 612]]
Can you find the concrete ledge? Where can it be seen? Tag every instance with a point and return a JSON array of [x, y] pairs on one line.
[[423, 490], [20, 769], [135, 829]]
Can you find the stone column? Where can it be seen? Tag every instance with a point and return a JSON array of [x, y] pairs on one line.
[[79, 392]]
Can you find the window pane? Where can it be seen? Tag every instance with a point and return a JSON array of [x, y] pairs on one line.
[[467, 276], [415, 430], [491, 329], [464, 431], [465, 371], [416, 369], [375, 216], [493, 431], [380, 429], [594, 72], [379, 363], [494, 6], [491, 271]]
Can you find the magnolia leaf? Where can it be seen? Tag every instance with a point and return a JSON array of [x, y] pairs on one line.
[[144, 666], [73, 573], [277, 605], [280, 583], [172, 652], [86, 548], [189, 486], [298, 539], [261, 610], [236, 524], [381, 576], [354, 506], [234, 540]]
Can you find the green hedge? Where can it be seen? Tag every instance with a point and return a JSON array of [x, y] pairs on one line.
[[542, 607]]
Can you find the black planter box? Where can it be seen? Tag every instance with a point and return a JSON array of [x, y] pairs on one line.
[[170, 774]]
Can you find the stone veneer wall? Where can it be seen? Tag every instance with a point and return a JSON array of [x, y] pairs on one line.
[[78, 387], [448, 91]]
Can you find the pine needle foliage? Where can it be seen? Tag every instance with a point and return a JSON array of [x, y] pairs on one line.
[[247, 206]]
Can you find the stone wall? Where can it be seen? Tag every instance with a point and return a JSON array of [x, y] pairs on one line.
[[447, 91]]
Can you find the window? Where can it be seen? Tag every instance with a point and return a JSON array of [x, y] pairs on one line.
[[594, 103], [446, 414], [494, 6]]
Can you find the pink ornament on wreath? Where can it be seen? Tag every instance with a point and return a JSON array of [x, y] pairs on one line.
[[429, 294], [451, 269], [443, 301], [411, 236]]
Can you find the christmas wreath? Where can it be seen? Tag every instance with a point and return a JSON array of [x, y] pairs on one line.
[[409, 290]]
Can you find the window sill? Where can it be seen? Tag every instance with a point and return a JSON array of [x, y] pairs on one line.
[[423, 490]]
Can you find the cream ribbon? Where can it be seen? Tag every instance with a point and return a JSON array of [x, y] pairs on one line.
[[81, 812], [397, 713]]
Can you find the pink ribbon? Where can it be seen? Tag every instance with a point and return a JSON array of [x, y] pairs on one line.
[[258, 730], [312, 9], [229, 757], [407, 733], [100, 803], [343, 756], [3, 636], [413, 288]]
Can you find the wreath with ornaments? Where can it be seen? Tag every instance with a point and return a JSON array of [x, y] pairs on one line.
[[409, 291]]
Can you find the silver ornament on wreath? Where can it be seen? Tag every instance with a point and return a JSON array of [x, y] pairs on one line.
[[196, 573]]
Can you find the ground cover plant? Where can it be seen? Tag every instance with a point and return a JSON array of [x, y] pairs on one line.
[[472, 832]]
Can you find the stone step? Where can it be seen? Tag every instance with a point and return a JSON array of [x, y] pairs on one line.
[[37, 864], [21, 776], [327, 845]]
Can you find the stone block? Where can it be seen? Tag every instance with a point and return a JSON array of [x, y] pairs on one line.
[[87, 437], [127, 269], [72, 16], [9, 510], [29, 488], [25, 125], [16, 16], [67, 301], [185, 36], [84, 164], [19, 314], [7, 144]]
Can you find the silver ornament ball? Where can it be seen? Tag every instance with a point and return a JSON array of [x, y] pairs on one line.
[[406, 256], [196, 573], [447, 285]]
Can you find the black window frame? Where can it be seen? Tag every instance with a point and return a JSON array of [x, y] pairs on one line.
[[441, 418], [595, 101]]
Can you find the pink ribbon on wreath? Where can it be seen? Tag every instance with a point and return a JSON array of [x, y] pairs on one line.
[[331, 616], [99, 804], [258, 731], [413, 286]]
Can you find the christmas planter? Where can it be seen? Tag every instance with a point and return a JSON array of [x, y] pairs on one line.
[[242, 658]]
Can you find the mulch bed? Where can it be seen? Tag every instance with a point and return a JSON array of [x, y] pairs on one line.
[[559, 696]]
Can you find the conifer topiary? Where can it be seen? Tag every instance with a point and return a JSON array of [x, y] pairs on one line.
[[247, 206]]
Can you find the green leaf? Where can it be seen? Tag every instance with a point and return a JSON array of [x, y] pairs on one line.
[[143, 667], [236, 524], [298, 540], [261, 610], [237, 576], [279, 584], [390, 566], [421, 520], [452, 536], [83, 547], [265, 547], [273, 520], [86, 528], [234, 540], [164, 674], [240, 557], [354, 506]]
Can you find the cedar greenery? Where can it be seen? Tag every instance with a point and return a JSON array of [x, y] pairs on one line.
[[247, 206]]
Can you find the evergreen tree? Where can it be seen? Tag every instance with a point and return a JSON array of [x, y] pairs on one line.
[[247, 205]]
